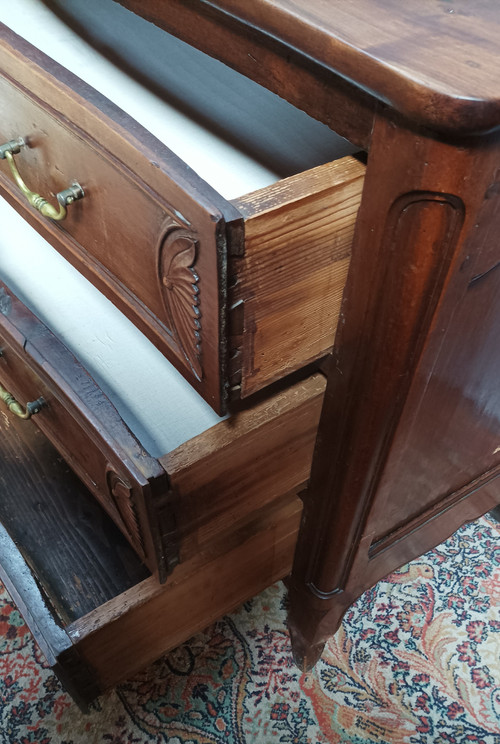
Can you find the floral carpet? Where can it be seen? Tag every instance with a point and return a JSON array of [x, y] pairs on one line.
[[416, 661]]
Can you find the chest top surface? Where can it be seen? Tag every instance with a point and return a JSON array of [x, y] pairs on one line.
[[435, 61]]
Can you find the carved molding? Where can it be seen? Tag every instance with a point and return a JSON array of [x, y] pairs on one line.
[[122, 496], [420, 237], [179, 286], [432, 512]]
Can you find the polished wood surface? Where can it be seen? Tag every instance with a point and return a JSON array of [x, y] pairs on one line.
[[408, 440], [433, 61]]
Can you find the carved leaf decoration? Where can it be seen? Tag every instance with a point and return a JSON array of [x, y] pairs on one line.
[[180, 292], [123, 498]]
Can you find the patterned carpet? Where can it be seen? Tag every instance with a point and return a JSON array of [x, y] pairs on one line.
[[417, 661]]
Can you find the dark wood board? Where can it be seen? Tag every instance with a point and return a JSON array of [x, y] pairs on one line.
[[77, 554]]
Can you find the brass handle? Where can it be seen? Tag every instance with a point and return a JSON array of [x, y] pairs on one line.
[[17, 409], [66, 197]]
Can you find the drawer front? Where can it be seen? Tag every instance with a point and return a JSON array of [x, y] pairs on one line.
[[148, 232], [87, 430]]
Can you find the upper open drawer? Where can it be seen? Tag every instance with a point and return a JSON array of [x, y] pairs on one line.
[[235, 293]]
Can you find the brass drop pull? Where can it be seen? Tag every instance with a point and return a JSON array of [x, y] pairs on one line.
[[17, 409], [66, 197]]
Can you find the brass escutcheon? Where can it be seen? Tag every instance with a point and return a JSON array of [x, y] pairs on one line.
[[64, 198]]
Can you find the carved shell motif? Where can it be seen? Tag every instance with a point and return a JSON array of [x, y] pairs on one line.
[[180, 292], [122, 496]]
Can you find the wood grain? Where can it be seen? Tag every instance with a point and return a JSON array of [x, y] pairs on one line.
[[244, 464], [213, 485], [84, 593], [132, 237], [288, 286], [131, 631], [416, 352], [432, 61], [87, 430], [78, 556], [408, 439]]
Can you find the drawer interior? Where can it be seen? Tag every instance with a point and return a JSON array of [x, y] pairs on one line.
[[238, 136], [84, 593], [270, 254]]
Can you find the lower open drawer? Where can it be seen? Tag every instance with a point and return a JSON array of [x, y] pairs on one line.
[[95, 611], [173, 506]]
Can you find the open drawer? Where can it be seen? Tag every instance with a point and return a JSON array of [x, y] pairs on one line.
[[237, 292], [94, 610], [173, 506]]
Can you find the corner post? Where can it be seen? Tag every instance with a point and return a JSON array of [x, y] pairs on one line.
[[421, 231]]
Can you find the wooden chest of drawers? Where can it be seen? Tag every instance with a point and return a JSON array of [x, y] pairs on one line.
[[240, 291], [220, 507]]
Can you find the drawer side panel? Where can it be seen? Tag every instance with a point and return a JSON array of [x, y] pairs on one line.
[[244, 464], [286, 291]]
